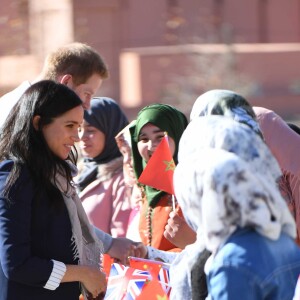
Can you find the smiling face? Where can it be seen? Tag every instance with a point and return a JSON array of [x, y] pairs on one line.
[[149, 138], [92, 140], [62, 133]]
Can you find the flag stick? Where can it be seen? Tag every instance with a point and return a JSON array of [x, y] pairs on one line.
[[166, 135], [173, 203], [173, 197]]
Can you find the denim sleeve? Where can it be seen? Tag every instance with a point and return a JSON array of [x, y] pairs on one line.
[[233, 283], [105, 238]]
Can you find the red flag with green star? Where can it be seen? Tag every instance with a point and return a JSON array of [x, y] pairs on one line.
[[159, 170]]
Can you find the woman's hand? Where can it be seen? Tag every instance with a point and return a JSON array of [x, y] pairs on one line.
[[178, 232], [93, 280]]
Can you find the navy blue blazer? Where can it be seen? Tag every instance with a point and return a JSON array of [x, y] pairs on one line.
[[31, 234]]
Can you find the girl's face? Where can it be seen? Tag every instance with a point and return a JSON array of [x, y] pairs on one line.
[[149, 138], [62, 133], [92, 140]]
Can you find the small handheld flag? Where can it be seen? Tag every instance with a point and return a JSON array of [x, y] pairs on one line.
[[159, 170]]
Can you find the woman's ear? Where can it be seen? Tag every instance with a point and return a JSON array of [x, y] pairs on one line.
[[35, 122]]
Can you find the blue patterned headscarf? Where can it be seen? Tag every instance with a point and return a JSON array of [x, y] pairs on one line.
[[224, 133], [225, 103], [226, 178]]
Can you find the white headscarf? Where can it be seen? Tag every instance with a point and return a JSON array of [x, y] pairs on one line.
[[225, 178], [219, 192], [226, 103], [223, 133]]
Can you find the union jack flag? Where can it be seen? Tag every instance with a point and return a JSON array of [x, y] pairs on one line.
[[164, 279], [125, 283], [156, 268]]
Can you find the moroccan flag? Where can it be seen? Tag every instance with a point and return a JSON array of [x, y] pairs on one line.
[[159, 170]]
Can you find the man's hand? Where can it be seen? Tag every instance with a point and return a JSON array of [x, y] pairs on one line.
[[122, 248]]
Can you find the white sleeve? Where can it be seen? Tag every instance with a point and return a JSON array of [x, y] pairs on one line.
[[58, 272], [165, 256]]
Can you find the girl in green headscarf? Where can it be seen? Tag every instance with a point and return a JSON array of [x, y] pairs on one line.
[[151, 124]]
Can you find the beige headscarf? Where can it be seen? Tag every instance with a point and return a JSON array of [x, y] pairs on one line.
[[88, 249]]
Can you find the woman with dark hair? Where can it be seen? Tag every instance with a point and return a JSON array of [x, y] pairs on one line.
[[47, 245]]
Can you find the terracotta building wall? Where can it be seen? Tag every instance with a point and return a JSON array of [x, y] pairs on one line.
[[31, 28], [178, 74], [14, 28]]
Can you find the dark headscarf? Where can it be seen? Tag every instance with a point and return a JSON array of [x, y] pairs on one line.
[[165, 117], [105, 115]]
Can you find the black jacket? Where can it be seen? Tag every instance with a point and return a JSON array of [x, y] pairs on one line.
[[31, 234]]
